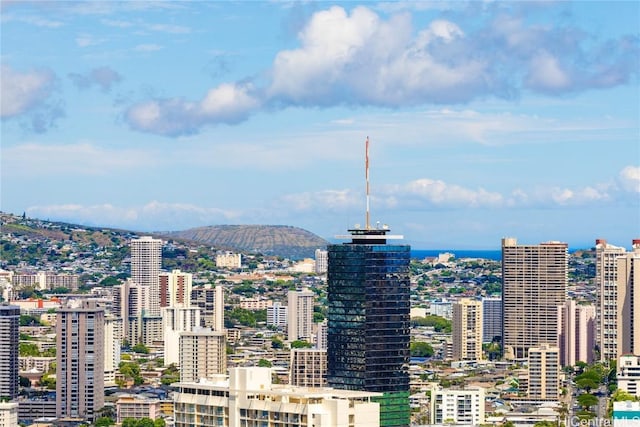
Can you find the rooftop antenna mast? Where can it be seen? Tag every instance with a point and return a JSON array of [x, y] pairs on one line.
[[366, 167]]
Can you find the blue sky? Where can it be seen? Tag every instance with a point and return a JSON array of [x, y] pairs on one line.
[[485, 119]]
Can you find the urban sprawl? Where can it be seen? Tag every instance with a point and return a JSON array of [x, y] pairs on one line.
[[101, 327]]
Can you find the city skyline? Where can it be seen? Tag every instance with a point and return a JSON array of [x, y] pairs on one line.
[[486, 120]]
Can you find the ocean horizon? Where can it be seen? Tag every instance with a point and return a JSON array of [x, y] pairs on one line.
[[492, 254]]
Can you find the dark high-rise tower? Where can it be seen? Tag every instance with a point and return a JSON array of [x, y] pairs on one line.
[[9, 333], [368, 320]]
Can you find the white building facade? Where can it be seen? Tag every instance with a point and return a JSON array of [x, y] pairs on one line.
[[248, 398]]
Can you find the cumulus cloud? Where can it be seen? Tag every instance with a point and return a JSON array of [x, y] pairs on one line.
[[104, 77], [29, 96], [629, 179], [428, 194], [359, 58], [227, 103]]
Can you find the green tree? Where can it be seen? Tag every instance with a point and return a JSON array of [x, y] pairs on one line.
[[264, 363], [586, 384], [439, 324], [277, 343], [170, 375], [621, 396], [28, 320], [421, 349], [28, 349], [301, 344], [587, 400], [140, 348], [48, 382], [104, 421]]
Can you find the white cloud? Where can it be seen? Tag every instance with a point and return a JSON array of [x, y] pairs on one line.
[[428, 194], [546, 73], [358, 58], [24, 91], [227, 103], [629, 179]]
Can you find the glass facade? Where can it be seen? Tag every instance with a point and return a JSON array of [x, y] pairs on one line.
[[369, 322]]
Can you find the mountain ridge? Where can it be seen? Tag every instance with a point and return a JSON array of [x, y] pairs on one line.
[[277, 240]]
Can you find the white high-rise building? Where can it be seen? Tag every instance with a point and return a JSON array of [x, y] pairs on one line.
[[628, 374], [112, 345], [300, 315], [618, 280], [203, 354], [176, 320], [321, 335], [466, 330], [322, 261], [128, 304], [175, 288], [277, 315], [210, 300], [146, 262], [576, 333], [457, 406]]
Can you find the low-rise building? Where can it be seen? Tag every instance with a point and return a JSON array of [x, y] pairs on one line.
[[130, 406]]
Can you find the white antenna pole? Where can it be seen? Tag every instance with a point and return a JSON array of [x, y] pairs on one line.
[[366, 167]]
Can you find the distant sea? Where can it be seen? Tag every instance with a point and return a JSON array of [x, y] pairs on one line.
[[495, 255]]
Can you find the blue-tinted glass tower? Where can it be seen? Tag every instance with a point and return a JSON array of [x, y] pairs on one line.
[[369, 320]]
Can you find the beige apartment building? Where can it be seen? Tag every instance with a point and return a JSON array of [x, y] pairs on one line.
[[466, 330], [618, 284], [544, 372], [534, 284], [308, 367], [576, 333], [300, 315], [203, 354]]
